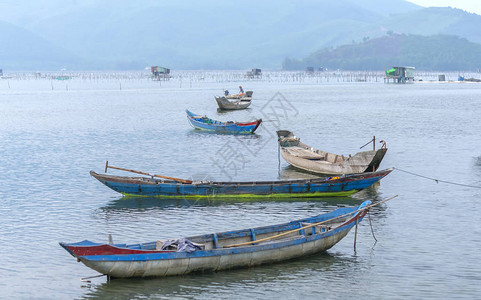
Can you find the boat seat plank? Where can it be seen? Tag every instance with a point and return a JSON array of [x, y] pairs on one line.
[[304, 153]]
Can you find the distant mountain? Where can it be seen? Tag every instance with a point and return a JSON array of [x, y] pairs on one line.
[[436, 53], [436, 20], [211, 34], [22, 50]]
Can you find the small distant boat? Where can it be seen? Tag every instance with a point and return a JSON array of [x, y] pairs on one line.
[[205, 123], [471, 79], [220, 251], [313, 160], [175, 187], [234, 102]]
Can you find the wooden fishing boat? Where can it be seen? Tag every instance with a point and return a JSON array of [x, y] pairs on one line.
[[205, 123], [313, 160], [220, 251], [234, 102], [174, 187]]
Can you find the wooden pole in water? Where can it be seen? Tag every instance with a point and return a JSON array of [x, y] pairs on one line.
[[355, 235]]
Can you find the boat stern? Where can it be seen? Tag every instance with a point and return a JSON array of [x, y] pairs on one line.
[[376, 160]]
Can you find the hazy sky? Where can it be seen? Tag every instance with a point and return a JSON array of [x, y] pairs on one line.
[[473, 6]]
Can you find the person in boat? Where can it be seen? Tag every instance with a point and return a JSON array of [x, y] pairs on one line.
[[241, 91], [226, 92]]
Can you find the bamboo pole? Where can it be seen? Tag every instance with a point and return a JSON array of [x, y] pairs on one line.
[[308, 226], [145, 173]]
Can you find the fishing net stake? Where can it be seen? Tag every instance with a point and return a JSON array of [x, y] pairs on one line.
[[279, 160], [355, 235], [86, 279]]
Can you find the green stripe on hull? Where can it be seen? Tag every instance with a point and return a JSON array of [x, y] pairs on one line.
[[220, 131], [303, 195]]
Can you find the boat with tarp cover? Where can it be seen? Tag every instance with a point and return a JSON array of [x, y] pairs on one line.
[[220, 251]]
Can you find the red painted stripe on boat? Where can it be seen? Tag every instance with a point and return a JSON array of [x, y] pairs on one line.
[[106, 250]]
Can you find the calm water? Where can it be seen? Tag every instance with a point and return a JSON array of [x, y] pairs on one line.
[[53, 133]]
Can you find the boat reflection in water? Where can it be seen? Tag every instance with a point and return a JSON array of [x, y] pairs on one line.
[[221, 284]]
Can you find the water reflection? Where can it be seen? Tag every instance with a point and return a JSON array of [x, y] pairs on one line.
[[291, 173], [226, 111], [159, 203], [194, 131], [220, 284], [157, 218]]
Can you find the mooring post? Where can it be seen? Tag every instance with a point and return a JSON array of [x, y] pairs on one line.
[[374, 143], [355, 235]]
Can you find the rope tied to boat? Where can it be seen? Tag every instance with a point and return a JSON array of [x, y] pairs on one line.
[[370, 224], [439, 180]]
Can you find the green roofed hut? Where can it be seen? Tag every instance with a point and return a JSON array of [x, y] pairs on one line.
[[160, 73], [400, 75]]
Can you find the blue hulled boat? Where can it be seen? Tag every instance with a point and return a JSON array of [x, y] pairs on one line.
[[205, 123], [220, 251], [172, 187]]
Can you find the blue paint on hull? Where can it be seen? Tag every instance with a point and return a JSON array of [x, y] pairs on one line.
[[144, 260], [204, 123], [141, 186]]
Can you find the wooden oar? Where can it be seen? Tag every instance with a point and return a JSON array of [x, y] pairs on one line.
[[308, 226], [145, 173]]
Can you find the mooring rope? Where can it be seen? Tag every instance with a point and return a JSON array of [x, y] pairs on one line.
[[439, 180], [370, 223]]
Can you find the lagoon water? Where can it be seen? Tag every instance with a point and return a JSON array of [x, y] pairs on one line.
[[53, 132]]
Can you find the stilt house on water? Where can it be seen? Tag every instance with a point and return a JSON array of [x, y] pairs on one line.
[[400, 75], [159, 73], [255, 73]]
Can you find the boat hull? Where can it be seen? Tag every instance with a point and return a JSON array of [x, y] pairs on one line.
[[306, 158], [185, 263], [367, 161], [319, 187], [233, 104], [224, 250], [204, 123]]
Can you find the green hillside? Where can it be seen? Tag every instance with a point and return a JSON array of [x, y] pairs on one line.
[[209, 34], [437, 52], [436, 20]]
